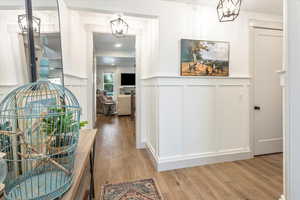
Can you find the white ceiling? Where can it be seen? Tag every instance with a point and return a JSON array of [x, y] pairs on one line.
[[265, 6], [108, 54], [107, 42], [20, 4]]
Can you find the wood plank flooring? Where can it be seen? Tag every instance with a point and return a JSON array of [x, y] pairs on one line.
[[117, 160]]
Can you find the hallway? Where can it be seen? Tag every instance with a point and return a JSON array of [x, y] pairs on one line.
[[117, 160]]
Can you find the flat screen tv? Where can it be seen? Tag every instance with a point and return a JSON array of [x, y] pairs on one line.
[[127, 79]]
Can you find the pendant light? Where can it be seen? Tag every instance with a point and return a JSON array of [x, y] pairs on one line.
[[228, 10], [36, 24], [119, 27]]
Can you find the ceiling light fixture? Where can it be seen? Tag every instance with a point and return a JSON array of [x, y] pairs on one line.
[[119, 27], [23, 24], [118, 45], [228, 10]]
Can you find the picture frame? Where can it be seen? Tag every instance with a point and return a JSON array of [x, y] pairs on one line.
[[204, 58]]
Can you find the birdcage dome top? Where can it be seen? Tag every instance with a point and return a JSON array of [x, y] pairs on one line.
[[39, 133], [33, 98]]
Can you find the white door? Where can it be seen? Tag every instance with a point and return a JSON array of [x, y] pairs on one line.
[[268, 47]]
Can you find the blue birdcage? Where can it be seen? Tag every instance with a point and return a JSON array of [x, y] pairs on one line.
[[39, 131]]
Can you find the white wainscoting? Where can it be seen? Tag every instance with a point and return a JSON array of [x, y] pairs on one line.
[[196, 121], [282, 197], [78, 85], [149, 116]]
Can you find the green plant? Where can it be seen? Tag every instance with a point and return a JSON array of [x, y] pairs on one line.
[[83, 124], [60, 121]]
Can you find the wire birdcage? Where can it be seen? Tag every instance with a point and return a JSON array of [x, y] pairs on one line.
[[39, 131]]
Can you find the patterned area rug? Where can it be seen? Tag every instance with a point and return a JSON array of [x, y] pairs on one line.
[[138, 190]]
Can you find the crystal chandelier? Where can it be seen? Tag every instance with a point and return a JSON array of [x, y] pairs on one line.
[[119, 27], [23, 24], [228, 10]]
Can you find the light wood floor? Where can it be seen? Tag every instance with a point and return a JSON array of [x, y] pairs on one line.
[[117, 160]]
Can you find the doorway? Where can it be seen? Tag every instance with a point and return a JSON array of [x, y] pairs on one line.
[[115, 61], [267, 62]]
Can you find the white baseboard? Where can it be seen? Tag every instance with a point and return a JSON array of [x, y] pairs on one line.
[[141, 146], [152, 155], [282, 197], [184, 161]]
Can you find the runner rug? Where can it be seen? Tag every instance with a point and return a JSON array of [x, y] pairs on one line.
[[138, 190]]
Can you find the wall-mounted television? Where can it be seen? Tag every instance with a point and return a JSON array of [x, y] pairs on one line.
[[127, 79]]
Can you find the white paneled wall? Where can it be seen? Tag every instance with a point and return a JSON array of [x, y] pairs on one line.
[[200, 120], [78, 86], [199, 99], [149, 115], [170, 119]]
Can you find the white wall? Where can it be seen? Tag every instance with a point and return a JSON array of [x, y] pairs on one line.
[[179, 20], [198, 22], [82, 26], [82, 21], [292, 138], [196, 121], [117, 70], [13, 67], [200, 120], [185, 121]]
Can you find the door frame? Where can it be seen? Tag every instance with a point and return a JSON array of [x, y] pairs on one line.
[[272, 25], [96, 28], [253, 25], [252, 41]]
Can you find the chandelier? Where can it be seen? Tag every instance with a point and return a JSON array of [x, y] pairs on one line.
[[119, 27], [228, 10], [23, 24]]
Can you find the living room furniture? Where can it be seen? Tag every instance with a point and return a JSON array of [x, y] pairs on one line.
[[109, 108], [127, 90], [105, 104], [124, 105]]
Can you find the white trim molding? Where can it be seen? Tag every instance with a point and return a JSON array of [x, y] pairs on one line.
[[276, 25], [75, 81], [143, 29], [282, 74], [153, 157], [184, 161], [282, 197], [170, 76], [9, 84], [197, 121]]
